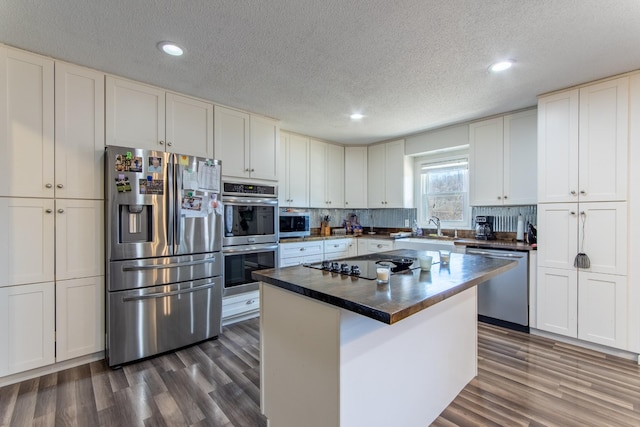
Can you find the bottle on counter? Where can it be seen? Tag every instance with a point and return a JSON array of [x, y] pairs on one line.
[[520, 229]]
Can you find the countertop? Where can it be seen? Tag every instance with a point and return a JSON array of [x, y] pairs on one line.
[[406, 294], [486, 244]]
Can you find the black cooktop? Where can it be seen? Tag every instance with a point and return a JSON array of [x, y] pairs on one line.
[[365, 266]]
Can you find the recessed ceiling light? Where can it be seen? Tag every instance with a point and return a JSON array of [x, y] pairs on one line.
[[170, 48], [356, 116], [501, 65]]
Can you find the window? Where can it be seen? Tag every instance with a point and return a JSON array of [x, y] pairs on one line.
[[444, 192]]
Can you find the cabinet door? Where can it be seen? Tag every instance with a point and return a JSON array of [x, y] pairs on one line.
[[355, 177], [79, 238], [317, 174], [189, 126], [265, 137], [486, 162], [376, 191], [557, 235], [604, 140], [26, 124], [558, 147], [79, 317], [294, 170], [334, 185], [604, 229], [520, 158], [602, 309], [231, 141], [395, 175], [27, 251], [557, 301], [135, 115], [27, 327], [79, 112]]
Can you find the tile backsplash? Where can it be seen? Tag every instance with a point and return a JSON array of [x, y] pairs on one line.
[[386, 218], [506, 217]]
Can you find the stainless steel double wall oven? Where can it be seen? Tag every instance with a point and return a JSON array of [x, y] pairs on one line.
[[250, 239]]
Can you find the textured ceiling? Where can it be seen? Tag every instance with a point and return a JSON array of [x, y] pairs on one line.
[[408, 65]]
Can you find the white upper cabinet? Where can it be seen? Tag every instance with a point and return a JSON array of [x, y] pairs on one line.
[[326, 175], [583, 143], [79, 241], [247, 145], [79, 134], [389, 176], [293, 182], [189, 126], [503, 160], [263, 150], [27, 227], [135, 115], [355, 177], [142, 116], [597, 229], [26, 124]]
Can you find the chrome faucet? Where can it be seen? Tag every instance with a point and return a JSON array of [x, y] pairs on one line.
[[436, 222]]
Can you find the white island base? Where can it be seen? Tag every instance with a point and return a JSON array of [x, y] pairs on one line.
[[324, 366]]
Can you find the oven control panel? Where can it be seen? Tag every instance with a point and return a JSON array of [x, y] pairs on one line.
[[247, 189]]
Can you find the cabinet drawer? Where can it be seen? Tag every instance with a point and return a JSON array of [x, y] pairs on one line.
[[333, 246], [241, 304], [288, 250], [299, 260]]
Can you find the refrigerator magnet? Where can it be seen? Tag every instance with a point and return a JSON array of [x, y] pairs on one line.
[[155, 165], [183, 160]]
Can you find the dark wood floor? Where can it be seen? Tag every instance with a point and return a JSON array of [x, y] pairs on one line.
[[523, 380]]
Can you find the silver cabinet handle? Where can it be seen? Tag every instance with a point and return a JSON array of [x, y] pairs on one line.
[[253, 170], [49, 210], [60, 210], [572, 213], [499, 198], [301, 249], [251, 301], [379, 245], [573, 192], [48, 185], [505, 197], [169, 144], [583, 192], [161, 142], [59, 185]]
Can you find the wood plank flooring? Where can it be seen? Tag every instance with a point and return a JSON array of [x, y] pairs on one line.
[[523, 380]]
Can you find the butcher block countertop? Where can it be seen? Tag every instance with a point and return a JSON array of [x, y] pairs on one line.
[[406, 294]]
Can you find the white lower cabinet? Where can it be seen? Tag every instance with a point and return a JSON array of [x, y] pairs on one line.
[[79, 317], [27, 327], [298, 253], [369, 246], [337, 248], [240, 307], [584, 305]]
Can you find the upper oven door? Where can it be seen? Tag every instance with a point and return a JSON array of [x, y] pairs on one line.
[[250, 220]]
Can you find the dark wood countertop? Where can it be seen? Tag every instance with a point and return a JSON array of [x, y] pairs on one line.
[[406, 294]]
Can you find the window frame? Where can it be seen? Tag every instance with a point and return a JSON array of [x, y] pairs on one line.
[[434, 160]]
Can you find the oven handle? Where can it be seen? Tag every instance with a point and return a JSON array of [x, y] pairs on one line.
[[244, 249], [158, 266], [168, 294], [249, 201]]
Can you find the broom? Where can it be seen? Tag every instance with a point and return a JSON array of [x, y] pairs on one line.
[[582, 259]]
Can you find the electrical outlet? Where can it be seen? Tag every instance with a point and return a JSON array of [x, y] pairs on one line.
[[406, 222]]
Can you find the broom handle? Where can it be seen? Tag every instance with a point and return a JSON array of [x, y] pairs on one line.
[[583, 217]]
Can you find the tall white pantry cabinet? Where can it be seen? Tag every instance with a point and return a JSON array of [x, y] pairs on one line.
[[51, 210], [584, 200]]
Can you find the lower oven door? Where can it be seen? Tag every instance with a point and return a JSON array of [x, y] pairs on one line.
[[148, 321], [241, 261]]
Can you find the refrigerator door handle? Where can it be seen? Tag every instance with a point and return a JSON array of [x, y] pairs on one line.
[[159, 266], [171, 205], [167, 294]]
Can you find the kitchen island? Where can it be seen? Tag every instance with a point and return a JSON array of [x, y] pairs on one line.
[[343, 351]]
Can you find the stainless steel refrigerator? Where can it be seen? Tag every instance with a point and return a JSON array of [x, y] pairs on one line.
[[163, 248]]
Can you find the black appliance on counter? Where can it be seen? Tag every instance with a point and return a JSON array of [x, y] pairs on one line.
[[484, 227]]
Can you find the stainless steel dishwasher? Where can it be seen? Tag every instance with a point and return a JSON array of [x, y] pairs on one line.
[[504, 299]]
